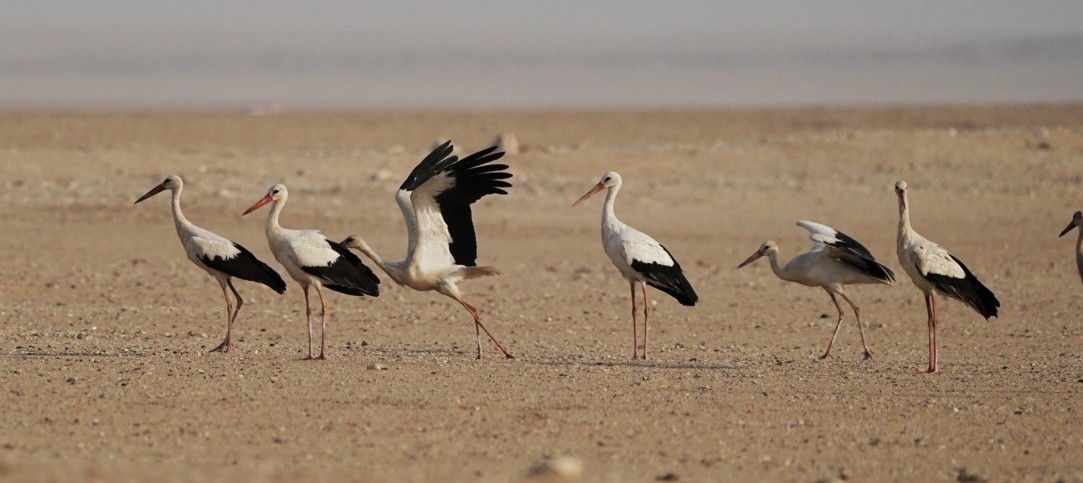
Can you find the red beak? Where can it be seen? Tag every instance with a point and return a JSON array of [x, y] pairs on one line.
[[593, 191], [262, 201], [153, 191], [754, 257]]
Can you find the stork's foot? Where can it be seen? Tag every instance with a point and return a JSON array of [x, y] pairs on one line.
[[828, 354], [507, 355], [932, 370], [321, 357], [223, 347], [868, 355]]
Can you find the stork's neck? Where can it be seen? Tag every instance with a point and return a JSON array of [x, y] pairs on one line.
[[182, 223], [273, 228], [904, 219], [780, 272], [392, 269], [1079, 242], [609, 218]]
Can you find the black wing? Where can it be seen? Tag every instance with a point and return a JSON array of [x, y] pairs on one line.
[[246, 266], [968, 290], [437, 160], [845, 242], [669, 279], [471, 178], [347, 274]]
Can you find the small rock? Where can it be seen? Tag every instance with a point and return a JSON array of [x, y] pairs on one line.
[[559, 468], [963, 476], [376, 367], [671, 476]]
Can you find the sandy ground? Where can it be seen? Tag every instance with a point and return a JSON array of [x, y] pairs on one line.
[[106, 326]]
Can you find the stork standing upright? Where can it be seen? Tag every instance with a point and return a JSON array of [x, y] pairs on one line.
[[834, 260], [217, 255], [639, 258], [933, 270], [1077, 221], [314, 261], [442, 249]]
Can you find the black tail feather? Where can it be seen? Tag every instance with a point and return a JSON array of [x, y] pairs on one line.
[[968, 290]]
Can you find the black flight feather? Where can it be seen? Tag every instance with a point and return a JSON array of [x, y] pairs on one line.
[[472, 178], [246, 266], [347, 274], [968, 290], [669, 279]]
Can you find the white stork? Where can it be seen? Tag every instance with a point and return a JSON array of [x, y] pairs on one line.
[[435, 199], [314, 261], [1077, 221], [834, 260], [934, 270], [639, 258], [218, 256]]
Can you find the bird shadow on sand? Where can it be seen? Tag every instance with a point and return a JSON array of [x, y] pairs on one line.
[[648, 364], [43, 354]]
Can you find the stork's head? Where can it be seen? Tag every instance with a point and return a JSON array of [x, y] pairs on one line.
[[768, 247], [1077, 221], [275, 193], [353, 241], [900, 191], [609, 180], [171, 182]]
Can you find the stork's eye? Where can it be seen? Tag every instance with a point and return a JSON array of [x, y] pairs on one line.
[[275, 192]]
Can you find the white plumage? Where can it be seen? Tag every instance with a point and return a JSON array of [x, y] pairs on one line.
[[314, 261], [217, 255], [835, 260], [441, 250], [933, 270], [639, 258]]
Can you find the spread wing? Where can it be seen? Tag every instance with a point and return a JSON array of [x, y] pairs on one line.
[[440, 191]]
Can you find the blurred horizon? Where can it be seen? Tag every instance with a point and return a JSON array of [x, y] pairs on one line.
[[488, 55]]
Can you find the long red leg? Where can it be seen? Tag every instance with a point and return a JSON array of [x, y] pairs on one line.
[[224, 346], [477, 321], [929, 322], [838, 324], [936, 350], [635, 328], [323, 325], [646, 304], [308, 320], [860, 329]]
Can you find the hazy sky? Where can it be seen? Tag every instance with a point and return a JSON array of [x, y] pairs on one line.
[[565, 17], [612, 53]]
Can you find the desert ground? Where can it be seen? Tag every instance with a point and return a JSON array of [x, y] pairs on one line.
[[106, 326]]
